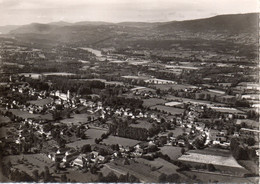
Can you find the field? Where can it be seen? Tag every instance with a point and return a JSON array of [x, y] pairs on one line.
[[78, 176], [4, 119], [173, 103], [210, 159], [30, 163], [161, 165], [153, 101], [92, 134], [142, 124], [187, 100], [76, 119], [39, 161], [167, 109], [120, 140], [23, 114], [226, 110], [172, 152], [214, 178], [177, 131], [142, 89], [140, 170], [41, 102], [173, 86]]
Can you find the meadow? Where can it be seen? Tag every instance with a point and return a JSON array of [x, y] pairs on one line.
[[120, 141], [152, 101], [173, 152]]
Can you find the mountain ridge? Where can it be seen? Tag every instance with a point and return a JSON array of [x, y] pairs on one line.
[[162, 25]]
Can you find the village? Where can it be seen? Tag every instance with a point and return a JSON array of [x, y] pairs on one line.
[[80, 114]]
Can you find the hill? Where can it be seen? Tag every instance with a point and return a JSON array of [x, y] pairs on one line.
[[236, 33], [222, 23]]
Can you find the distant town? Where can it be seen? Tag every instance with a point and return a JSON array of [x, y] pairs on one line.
[[70, 113]]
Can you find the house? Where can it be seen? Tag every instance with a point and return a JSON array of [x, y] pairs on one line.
[[80, 161], [70, 157], [217, 136]]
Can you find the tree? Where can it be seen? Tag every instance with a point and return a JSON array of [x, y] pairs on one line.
[[111, 177], [173, 178], [86, 148], [250, 141], [47, 175], [35, 175], [211, 168], [163, 178], [63, 178], [182, 150], [133, 179]]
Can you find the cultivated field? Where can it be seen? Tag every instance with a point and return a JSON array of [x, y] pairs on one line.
[[120, 140], [210, 159]]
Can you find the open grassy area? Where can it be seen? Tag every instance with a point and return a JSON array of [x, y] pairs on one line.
[[140, 170], [23, 114], [213, 178], [153, 101], [187, 100], [172, 151], [41, 102], [173, 86], [162, 165], [91, 134], [177, 131], [30, 162], [120, 140], [170, 110], [142, 124], [4, 119], [78, 176], [76, 119]]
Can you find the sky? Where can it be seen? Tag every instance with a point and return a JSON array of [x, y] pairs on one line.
[[19, 12]]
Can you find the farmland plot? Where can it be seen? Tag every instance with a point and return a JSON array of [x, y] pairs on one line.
[[210, 159]]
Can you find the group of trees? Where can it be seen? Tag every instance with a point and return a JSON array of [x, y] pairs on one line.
[[113, 178], [116, 101], [172, 178], [17, 175], [241, 152], [76, 86], [122, 129]]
